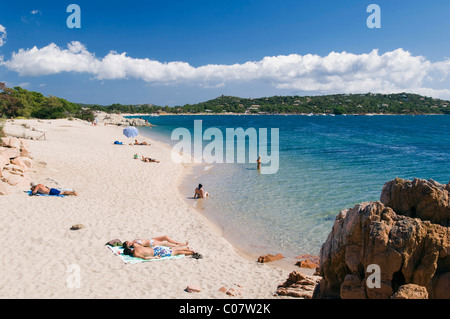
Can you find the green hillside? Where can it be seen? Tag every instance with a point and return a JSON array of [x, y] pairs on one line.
[[17, 102]]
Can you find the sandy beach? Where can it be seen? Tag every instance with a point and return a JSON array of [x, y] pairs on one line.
[[118, 197]]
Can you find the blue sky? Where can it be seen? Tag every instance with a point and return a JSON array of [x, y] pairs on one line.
[[178, 52]]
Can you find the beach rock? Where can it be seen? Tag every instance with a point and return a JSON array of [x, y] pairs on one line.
[[298, 285], [419, 198], [192, 288], [14, 169], [10, 142], [117, 119], [233, 291], [306, 264], [311, 258], [406, 250], [3, 161], [20, 163], [4, 189], [223, 289], [24, 144], [269, 258], [442, 286], [77, 227], [411, 291], [25, 162], [14, 179], [9, 153], [25, 152]]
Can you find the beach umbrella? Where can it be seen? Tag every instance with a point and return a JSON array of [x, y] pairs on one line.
[[130, 131]]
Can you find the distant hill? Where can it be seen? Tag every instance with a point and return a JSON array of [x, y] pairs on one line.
[[18, 102], [401, 103]]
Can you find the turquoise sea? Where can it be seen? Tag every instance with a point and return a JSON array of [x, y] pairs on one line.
[[326, 164]]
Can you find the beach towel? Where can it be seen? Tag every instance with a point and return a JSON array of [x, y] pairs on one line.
[[38, 194], [118, 251]]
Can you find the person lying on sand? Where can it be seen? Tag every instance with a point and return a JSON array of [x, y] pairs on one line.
[[200, 192], [158, 241], [137, 143], [41, 189], [157, 252], [148, 159]]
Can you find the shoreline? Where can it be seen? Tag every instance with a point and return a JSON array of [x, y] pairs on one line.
[[287, 263], [118, 197], [280, 114]]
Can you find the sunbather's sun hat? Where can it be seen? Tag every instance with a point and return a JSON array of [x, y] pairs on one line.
[[33, 184]]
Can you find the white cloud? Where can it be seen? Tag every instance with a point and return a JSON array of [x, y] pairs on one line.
[[2, 35], [338, 72], [35, 11]]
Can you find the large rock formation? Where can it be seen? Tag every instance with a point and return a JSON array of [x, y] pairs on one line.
[[388, 241], [419, 198], [118, 119], [298, 285]]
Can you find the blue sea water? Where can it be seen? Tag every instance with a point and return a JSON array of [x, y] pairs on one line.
[[326, 164]]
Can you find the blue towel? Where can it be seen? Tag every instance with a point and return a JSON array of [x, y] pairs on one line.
[[118, 251], [38, 194], [117, 142]]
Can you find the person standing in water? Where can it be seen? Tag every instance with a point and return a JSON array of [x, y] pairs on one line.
[[258, 162]]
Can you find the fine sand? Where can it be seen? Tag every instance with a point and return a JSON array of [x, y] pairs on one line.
[[118, 197]]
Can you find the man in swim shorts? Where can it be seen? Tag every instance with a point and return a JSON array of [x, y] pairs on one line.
[[137, 250], [41, 189], [148, 159]]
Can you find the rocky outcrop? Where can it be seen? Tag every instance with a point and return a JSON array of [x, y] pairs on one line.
[[373, 250], [269, 258], [411, 291], [117, 119], [427, 200], [15, 162], [298, 285]]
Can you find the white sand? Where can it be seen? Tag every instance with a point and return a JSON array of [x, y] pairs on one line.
[[119, 197]]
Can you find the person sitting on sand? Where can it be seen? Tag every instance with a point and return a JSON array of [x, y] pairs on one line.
[[137, 143], [148, 159], [200, 192], [156, 252], [41, 189], [158, 241]]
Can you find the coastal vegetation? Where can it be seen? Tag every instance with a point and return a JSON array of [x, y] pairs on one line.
[[18, 102]]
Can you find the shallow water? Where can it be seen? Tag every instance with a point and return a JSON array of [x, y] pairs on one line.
[[326, 164]]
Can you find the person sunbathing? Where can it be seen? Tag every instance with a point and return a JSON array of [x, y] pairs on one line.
[[158, 241], [139, 251], [148, 159], [42, 189], [142, 143]]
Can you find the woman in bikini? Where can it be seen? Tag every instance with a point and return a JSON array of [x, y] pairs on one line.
[[159, 241]]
